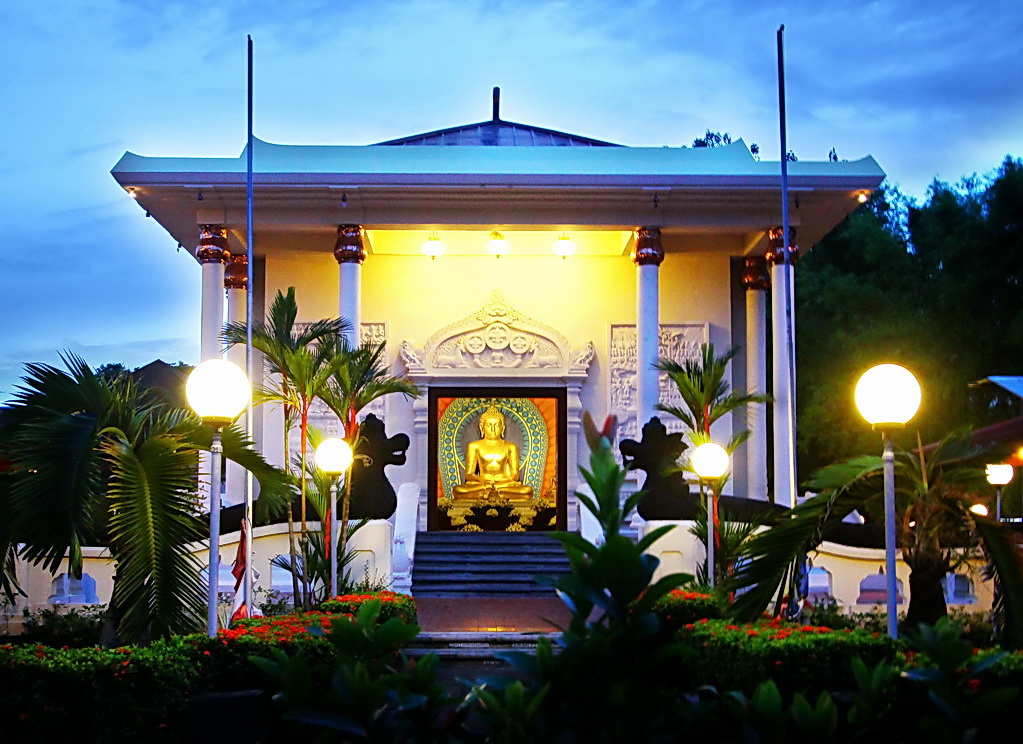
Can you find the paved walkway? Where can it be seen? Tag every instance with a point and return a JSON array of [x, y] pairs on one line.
[[494, 614]]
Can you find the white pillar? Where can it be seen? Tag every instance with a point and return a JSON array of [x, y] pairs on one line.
[[647, 255], [350, 253], [756, 281], [783, 368], [236, 278], [212, 253]]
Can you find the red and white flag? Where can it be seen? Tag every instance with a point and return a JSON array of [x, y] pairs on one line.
[[239, 609]]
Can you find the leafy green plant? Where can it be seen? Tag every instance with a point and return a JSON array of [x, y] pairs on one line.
[[95, 461], [63, 626], [612, 650], [272, 602], [704, 390], [953, 675], [933, 523], [371, 691]]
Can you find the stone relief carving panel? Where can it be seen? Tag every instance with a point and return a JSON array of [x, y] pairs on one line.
[[496, 338], [677, 342]]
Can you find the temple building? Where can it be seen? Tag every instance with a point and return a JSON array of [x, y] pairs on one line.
[[520, 277], [500, 262]]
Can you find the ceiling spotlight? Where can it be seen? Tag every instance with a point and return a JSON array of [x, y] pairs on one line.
[[199, 197], [862, 197], [563, 246], [344, 200], [132, 193], [433, 246], [497, 245]]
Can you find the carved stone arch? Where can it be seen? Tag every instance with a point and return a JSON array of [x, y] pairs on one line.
[[498, 340]]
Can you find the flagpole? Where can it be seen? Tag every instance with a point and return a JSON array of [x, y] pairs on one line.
[[789, 341], [249, 427]]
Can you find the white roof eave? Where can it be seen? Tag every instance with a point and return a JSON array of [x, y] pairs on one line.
[[730, 166]]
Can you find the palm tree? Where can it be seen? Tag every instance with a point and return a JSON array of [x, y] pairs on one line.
[[360, 377], [705, 394], [706, 398], [934, 524], [298, 365], [96, 460]]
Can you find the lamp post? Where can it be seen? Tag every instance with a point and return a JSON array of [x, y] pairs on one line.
[[888, 396], [710, 461], [998, 475], [333, 457], [218, 391]]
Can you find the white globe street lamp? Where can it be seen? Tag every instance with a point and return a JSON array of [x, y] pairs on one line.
[[218, 391], [998, 475], [334, 456], [888, 396], [710, 461]]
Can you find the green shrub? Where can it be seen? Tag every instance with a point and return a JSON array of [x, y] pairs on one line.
[[63, 626], [392, 604], [369, 690], [91, 694], [796, 657], [222, 663]]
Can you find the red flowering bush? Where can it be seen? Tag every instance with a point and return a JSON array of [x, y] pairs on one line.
[[678, 607], [392, 604], [797, 657], [283, 628]]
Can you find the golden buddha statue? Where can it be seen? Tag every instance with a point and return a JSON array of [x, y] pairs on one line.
[[492, 463]]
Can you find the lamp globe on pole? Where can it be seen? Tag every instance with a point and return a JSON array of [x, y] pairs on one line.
[[218, 391], [998, 475], [333, 456], [710, 461], [888, 396]]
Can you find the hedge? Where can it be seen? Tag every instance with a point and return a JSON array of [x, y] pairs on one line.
[[797, 657]]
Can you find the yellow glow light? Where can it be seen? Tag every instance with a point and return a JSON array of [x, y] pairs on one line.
[[563, 247], [979, 509], [709, 460], [862, 197], [218, 391], [887, 394], [999, 474], [497, 245], [433, 247], [334, 456]]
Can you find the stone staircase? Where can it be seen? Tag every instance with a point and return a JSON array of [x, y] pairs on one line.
[[466, 657], [485, 564]]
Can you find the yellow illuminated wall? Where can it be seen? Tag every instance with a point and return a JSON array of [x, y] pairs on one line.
[[580, 297]]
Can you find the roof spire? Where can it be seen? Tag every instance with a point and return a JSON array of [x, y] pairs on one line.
[[497, 103]]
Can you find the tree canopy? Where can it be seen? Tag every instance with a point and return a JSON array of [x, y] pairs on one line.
[[934, 286]]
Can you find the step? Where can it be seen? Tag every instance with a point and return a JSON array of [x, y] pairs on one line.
[[485, 564], [474, 645]]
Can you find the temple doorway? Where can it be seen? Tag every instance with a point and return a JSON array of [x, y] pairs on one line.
[[497, 459]]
